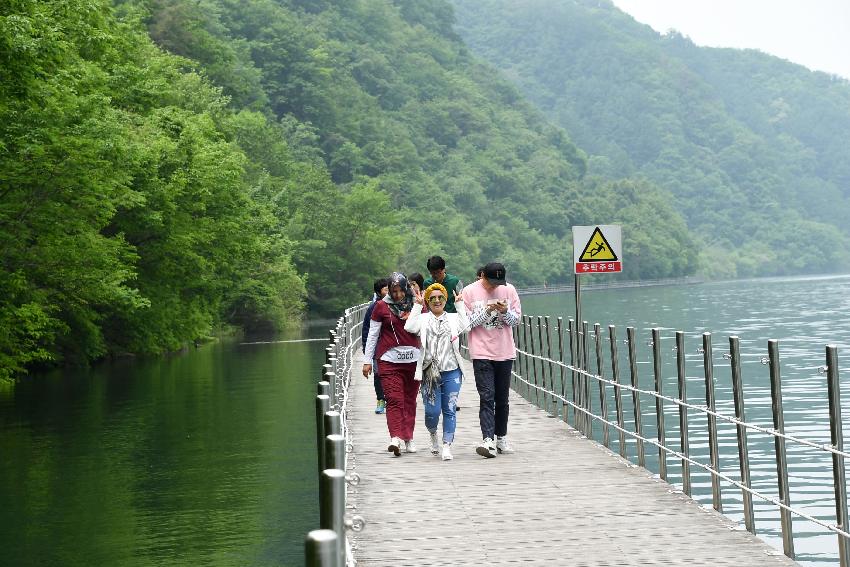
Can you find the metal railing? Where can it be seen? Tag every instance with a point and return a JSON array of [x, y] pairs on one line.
[[328, 546], [564, 388]]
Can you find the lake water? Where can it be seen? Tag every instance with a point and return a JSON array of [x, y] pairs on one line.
[[208, 457], [201, 458]]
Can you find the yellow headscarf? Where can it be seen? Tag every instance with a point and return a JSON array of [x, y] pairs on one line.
[[435, 287]]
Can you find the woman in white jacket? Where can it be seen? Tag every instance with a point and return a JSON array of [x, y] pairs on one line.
[[439, 333]]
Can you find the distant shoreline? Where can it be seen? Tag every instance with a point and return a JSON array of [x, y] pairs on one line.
[[559, 288], [564, 287]]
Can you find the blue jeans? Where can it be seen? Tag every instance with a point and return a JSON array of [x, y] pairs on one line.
[[445, 400]]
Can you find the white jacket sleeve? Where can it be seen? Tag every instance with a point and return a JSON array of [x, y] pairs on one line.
[[513, 315], [463, 324]]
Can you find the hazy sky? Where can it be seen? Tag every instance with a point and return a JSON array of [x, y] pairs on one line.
[[814, 33]]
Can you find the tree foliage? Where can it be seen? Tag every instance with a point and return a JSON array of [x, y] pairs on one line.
[[171, 166], [127, 222]]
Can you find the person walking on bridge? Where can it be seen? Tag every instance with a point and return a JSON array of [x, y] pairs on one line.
[[439, 333], [381, 291], [397, 352], [437, 269], [494, 308]]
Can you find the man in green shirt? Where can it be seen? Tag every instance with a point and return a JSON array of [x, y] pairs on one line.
[[452, 283]]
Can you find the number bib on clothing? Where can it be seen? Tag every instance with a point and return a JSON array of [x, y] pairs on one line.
[[401, 354]]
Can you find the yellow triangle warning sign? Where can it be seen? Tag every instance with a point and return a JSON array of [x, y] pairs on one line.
[[597, 249]]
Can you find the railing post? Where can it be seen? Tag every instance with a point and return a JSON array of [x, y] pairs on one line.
[[518, 364], [683, 411], [659, 403], [743, 453], [586, 368], [333, 423], [542, 363], [837, 437], [779, 444], [329, 376], [323, 403], [603, 398], [554, 404], [630, 334], [333, 379], [708, 364], [534, 364], [321, 549], [618, 398], [579, 383], [561, 372], [323, 388], [335, 452], [526, 358], [529, 358], [332, 508], [328, 353], [571, 326]]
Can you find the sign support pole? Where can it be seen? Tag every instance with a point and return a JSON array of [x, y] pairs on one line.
[[602, 253], [578, 310]]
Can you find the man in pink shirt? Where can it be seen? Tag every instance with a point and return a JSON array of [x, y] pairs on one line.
[[493, 306]]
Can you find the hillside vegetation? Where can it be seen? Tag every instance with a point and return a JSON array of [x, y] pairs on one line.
[[752, 148], [169, 167]]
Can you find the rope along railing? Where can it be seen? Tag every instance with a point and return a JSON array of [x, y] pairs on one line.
[[328, 546], [563, 388]]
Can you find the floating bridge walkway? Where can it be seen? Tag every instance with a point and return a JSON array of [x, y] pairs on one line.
[[561, 499]]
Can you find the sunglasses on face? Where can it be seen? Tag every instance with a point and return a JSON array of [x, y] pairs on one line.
[[436, 299]]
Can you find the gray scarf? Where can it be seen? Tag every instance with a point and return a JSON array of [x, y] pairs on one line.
[[436, 330]]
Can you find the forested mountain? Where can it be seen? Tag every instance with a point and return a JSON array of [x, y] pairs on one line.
[[171, 166], [753, 148]]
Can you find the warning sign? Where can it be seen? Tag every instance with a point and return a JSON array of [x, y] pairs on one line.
[[597, 249]]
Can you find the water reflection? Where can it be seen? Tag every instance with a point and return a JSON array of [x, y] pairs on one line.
[[201, 458]]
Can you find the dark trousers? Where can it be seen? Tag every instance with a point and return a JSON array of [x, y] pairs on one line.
[[493, 381], [379, 390]]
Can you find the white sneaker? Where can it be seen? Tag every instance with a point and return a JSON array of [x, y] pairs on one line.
[[503, 446], [487, 448], [435, 444], [395, 446], [447, 452], [410, 447]]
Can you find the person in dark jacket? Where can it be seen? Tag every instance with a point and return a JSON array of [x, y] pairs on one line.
[[437, 269], [417, 282], [381, 289]]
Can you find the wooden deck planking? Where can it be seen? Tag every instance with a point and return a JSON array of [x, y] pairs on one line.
[[559, 500]]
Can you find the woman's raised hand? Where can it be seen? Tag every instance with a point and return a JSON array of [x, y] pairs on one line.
[[458, 296], [418, 297]]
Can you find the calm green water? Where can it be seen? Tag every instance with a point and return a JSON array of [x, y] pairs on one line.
[[203, 458], [805, 314], [208, 458]]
